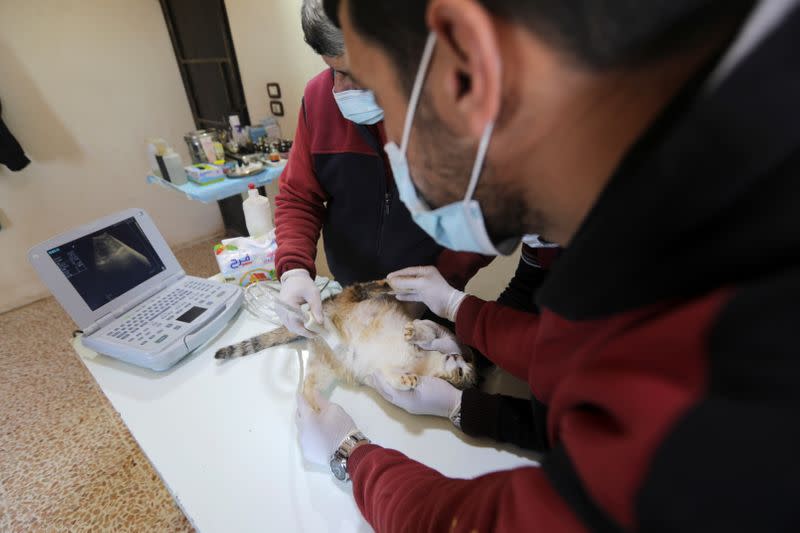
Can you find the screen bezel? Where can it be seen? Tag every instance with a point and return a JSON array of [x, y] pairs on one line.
[[69, 298]]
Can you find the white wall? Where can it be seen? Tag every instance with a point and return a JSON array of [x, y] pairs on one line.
[[493, 279], [83, 83], [269, 48]]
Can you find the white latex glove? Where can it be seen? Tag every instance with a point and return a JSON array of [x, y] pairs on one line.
[[432, 396], [321, 433], [425, 284], [298, 288]]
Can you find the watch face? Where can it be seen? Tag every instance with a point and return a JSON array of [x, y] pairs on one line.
[[338, 468]]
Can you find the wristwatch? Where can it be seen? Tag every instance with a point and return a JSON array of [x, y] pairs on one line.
[[342, 454]]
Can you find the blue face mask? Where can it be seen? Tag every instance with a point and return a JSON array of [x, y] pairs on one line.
[[359, 106], [458, 226]]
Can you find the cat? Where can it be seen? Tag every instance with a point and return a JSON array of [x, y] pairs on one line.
[[366, 331]]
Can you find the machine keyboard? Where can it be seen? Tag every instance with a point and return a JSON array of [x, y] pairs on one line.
[[155, 321]]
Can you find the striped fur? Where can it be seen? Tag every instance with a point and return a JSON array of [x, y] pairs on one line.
[[256, 344]]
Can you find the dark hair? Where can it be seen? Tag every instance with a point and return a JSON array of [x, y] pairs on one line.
[[318, 30], [596, 34]]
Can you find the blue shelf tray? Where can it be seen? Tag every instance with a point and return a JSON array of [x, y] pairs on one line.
[[220, 190]]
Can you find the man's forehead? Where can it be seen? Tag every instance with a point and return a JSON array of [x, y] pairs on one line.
[[367, 58]]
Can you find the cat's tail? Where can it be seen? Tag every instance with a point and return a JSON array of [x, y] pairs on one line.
[[256, 344]]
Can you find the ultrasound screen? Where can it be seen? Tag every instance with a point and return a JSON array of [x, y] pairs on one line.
[[108, 263]]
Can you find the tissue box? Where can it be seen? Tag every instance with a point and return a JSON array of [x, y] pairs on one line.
[[204, 173], [245, 260]]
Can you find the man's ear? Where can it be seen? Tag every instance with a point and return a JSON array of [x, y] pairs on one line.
[[465, 79]]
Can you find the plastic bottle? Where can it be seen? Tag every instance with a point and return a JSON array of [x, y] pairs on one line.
[[175, 171], [257, 213], [155, 146]]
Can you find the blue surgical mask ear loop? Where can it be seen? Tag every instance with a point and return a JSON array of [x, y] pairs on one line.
[[416, 93], [483, 147]]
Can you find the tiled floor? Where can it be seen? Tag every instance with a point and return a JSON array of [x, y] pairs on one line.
[[67, 462]]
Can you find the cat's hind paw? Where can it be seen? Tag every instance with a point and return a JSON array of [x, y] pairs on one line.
[[409, 381], [404, 381], [311, 400]]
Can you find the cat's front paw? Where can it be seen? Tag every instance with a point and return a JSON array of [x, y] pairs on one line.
[[409, 332]]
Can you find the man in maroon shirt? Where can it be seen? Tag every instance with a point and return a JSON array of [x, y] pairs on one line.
[[337, 182], [658, 142]]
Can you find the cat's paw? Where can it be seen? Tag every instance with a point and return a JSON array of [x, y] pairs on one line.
[[310, 395], [408, 332], [407, 382], [311, 400]]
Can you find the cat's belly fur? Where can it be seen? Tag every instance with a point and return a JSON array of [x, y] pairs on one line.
[[374, 342]]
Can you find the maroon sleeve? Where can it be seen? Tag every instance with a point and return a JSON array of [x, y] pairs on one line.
[[503, 334], [459, 267], [395, 493], [299, 206]]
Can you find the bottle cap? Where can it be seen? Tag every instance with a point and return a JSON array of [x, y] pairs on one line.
[[251, 186]]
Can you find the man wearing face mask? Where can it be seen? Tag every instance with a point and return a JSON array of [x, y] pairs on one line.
[[338, 181], [658, 142]]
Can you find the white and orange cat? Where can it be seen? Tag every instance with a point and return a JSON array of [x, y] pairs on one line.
[[366, 331]]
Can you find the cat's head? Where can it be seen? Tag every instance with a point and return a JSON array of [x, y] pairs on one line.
[[465, 376]]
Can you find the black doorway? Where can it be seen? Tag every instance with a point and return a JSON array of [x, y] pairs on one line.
[[201, 38]]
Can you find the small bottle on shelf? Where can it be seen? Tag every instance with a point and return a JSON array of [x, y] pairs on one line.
[[274, 155]]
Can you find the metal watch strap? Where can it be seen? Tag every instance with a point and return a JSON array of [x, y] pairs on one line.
[[342, 454], [347, 445]]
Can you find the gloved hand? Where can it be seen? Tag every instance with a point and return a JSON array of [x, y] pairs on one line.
[[432, 396], [298, 288], [321, 432], [425, 284]]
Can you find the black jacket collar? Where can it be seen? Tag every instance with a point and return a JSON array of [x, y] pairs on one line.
[[710, 196]]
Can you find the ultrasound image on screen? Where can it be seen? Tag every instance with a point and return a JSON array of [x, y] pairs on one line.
[[108, 263]]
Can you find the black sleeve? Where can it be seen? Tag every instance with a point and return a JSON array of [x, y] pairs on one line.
[[501, 418], [527, 279]]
